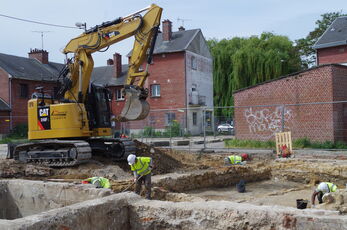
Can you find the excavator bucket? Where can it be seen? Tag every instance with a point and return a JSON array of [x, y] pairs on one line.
[[135, 107]]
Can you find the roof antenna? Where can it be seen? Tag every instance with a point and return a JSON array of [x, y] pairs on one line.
[[182, 20], [42, 32]]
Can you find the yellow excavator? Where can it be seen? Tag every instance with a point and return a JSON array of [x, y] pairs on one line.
[[67, 130]]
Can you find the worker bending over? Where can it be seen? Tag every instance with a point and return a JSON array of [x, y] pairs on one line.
[[142, 168], [234, 160], [98, 182], [322, 189]]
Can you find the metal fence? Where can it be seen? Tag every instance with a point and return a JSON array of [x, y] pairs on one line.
[[204, 128]]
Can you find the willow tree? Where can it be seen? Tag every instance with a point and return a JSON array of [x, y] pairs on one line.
[[243, 62]]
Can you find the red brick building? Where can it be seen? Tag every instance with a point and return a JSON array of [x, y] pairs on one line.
[[19, 76], [331, 47], [180, 82], [310, 104], [307, 112]]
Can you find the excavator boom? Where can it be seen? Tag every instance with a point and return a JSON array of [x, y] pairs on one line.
[[145, 29]]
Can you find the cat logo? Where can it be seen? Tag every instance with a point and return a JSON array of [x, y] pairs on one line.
[[44, 112], [44, 118]]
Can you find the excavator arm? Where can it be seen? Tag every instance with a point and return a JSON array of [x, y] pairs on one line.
[[145, 29]]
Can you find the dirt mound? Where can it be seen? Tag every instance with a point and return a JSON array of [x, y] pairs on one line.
[[98, 166], [13, 169], [162, 161]]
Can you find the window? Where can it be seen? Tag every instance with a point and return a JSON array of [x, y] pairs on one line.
[[193, 62], [119, 94], [195, 117], [55, 92], [169, 118], [23, 90], [208, 118], [155, 90]]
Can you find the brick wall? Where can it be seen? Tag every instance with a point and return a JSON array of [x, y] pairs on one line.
[[317, 122], [167, 70], [330, 55]]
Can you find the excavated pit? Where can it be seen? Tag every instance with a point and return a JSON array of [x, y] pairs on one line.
[[189, 192], [21, 198]]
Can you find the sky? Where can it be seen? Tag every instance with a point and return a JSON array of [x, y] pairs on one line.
[[217, 19]]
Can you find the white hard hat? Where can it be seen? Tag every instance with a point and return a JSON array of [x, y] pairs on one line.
[[131, 159]]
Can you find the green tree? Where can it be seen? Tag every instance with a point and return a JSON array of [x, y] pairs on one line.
[[304, 45], [243, 62]]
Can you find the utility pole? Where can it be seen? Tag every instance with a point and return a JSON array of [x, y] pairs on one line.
[[42, 32]]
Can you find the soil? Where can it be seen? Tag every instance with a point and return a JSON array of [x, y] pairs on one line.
[[97, 166], [271, 192], [291, 178]]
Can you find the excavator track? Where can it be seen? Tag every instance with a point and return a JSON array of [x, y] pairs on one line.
[[114, 148], [54, 153], [67, 153]]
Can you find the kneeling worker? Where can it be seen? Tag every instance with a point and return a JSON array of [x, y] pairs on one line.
[[234, 160], [142, 168], [322, 189], [98, 182]]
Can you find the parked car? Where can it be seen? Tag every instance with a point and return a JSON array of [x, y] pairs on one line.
[[225, 128]]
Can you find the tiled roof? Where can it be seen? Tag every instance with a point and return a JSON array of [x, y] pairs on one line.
[[104, 75], [335, 35], [29, 68]]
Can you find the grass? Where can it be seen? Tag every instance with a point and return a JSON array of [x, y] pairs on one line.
[[297, 144], [235, 143], [12, 140]]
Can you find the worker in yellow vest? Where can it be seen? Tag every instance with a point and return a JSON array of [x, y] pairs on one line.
[[322, 189], [142, 169], [234, 159], [98, 182]]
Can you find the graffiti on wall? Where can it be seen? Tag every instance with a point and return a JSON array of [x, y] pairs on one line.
[[267, 122]]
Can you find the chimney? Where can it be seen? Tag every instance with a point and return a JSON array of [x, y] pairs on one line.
[[167, 30], [181, 28], [110, 61], [117, 62], [40, 55]]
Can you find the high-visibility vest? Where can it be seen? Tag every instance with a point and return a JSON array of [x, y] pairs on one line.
[[141, 166], [105, 183], [331, 186], [235, 159]]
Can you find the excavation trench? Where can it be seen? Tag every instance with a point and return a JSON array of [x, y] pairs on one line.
[[21, 198], [187, 200], [201, 195], [202, 199]]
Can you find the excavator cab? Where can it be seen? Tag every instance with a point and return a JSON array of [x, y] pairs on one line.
[[98, 107]]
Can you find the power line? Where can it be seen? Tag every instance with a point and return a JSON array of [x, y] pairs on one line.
[[42, 23]]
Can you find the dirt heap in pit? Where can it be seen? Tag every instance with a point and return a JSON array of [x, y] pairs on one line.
[[163, 162]]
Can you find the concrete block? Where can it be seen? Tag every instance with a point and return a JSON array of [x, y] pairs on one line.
[[198, 142], [181, 142], [161, 143], [215, 140]]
